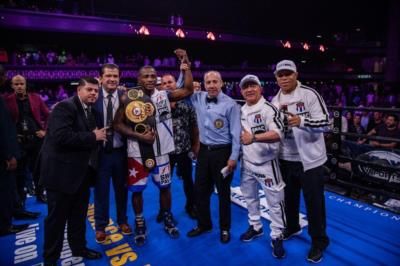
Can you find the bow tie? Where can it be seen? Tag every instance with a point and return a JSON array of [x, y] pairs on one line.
[[210, 100]]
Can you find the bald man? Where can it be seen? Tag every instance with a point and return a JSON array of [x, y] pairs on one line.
[[29, 114], [218, 118]]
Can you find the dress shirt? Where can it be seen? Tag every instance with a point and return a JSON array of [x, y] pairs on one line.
[[219, 123]]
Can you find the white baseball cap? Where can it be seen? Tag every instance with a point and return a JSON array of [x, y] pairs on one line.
[[285, 65], [249, 79]]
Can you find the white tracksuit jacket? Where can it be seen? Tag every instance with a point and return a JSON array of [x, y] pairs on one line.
[[309, 139], [260, 118]]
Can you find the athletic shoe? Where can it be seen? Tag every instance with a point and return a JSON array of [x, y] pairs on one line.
[[251, 234], [277, 248], [315, 254], [169, 225], [160, 217], [140, 232]]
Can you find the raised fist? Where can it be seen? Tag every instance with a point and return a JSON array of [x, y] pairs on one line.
[[182, 55]]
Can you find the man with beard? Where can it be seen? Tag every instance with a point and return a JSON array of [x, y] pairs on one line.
[[68, 165]]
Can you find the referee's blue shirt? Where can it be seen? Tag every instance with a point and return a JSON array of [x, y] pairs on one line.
[[219, 123]]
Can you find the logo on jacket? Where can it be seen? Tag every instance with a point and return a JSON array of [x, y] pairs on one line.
[[300, 108], [257, 119], [219, 123], [258, 127], [268, 182]]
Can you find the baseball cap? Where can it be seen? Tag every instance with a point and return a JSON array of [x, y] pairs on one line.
[[249, 79], [285, 65]]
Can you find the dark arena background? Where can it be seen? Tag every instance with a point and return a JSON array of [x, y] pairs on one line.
[[349, 51]]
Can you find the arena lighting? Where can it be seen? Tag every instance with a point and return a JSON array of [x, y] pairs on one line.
[[322, 48], [144, 30], [179, 33], [210, 36], [287, 44], [306, 46]]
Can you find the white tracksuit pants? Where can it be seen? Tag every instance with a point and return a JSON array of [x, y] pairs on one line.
[[267, 176]]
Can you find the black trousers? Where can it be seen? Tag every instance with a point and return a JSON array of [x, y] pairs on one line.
[[65, 209], [184, 166], [26, 167], [7, 188], [312, 184], [208, 173]]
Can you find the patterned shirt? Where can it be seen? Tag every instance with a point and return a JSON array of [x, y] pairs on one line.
[[183, 120]]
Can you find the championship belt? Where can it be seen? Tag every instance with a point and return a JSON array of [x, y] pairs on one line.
[[140, 115]]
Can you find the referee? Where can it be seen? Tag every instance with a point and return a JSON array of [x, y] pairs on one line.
[[218, 118]]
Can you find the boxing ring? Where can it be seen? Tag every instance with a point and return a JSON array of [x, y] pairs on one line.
[[361, 234], [373, 169]]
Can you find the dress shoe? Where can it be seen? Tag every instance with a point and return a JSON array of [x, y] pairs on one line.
[[14, 229], [23, 215], [87, 253], [198, 231], [101, 236], [125, 229], [225, 236]]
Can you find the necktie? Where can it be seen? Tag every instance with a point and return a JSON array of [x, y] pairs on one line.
[[90, 118], [109, 120], [212, 100]]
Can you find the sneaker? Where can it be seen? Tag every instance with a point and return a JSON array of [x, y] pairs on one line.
[[140, 232], [251, 234], [169, 225], [160, 217], [315, 254], [277, 248], [125, 229], [287, 234], [101, 236]]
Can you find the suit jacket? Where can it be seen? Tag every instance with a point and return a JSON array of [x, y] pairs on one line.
[[67, 147], [39, 109], [8, 135], [99, 108]]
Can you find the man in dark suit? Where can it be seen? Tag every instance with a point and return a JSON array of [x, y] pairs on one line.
[[8, 164], [68, 162], [112, 157]]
